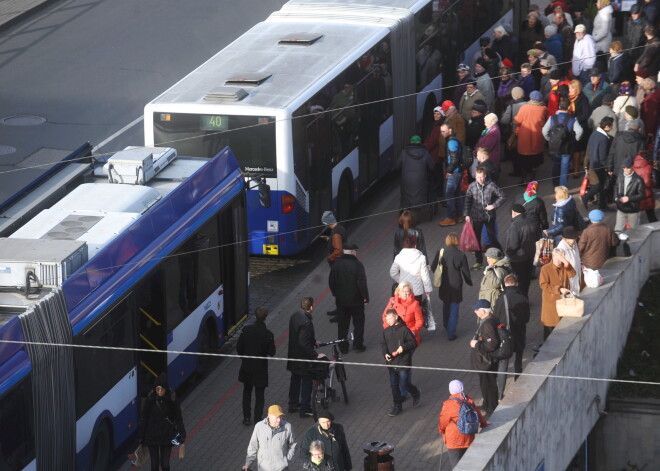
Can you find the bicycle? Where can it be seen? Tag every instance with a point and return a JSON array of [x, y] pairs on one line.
[[323, 376]]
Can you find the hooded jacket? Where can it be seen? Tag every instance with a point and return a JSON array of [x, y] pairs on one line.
[[625, 144], [415, 163], [411, 266], [493, 281], [447, 422], [272, 449], [409, 311]]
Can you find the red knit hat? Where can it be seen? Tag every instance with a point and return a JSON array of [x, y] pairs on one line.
[[507, 63]]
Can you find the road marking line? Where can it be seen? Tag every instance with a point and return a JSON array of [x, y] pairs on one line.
[[117, 134]]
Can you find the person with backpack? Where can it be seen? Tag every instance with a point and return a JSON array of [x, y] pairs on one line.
[[485, 341], [458, 415], [561, 131], [512, 309], [492, 284], [454, 175]]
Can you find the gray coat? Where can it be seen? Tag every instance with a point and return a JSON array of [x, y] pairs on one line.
[[271, 449], [416, 164]]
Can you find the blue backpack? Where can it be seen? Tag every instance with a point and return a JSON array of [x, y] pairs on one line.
[[468, 419]]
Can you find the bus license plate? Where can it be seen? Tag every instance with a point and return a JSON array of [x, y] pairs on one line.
[[271, 249]]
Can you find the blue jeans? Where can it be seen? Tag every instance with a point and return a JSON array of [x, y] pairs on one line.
[[484, 234], [398, 378], [450, 318], [560, 169], [454, 196]]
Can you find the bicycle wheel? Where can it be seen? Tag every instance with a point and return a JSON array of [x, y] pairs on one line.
[[316, 402], [340, 371]]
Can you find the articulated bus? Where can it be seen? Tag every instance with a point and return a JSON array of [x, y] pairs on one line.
[[285, 97], [143, 251]]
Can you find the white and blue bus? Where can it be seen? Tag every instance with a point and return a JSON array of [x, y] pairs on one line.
[[142, 250], [287, 97]]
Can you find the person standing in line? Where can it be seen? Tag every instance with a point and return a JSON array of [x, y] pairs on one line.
[[416, 166], [554, 280], [569, 245], [491, 140], [338, 236], [273, 444], [521, 246], [485, 341], [454, 175], [628, 192], [455, 270], [643, 167], [332, 435], [432, 146], [561, 131], [626, 144], [534, 207], [302, 345], [348, 284], [160, 422], [529, 121], [255, 340], [518, 307], [457, 443], [397, 347], [596, 159], [597, 241], [584, 53]]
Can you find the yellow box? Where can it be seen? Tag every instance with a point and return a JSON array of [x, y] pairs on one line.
[[271, 249]]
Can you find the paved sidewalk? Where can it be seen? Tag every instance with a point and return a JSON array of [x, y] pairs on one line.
[[13, 11]]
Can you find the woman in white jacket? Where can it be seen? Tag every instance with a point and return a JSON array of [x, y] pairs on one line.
[[410, 265], [602, 32]]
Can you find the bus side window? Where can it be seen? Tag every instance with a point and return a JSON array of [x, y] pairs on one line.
[[17, 432]]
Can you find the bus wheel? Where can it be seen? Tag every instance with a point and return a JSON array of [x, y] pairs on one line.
[[207, 343], [101, 448], [344, 200]]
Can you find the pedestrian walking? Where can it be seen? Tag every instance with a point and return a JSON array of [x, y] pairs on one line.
[[521, 246], [302, 345], [411, 266], [416, 166], [255, 340], [407, 308], [515, 303], [492, 283], [455, 270], [397, 347], [554, 280], [272, 445], [332, 436], [597, 241], [408, 226], [160, 423], [348, 284], [628, 193], [457, 442], [485, 341]]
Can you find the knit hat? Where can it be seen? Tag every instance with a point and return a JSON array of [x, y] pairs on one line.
[[628, 162], [536, 96], [462, 68], [569, 232], [518, 208], [415, 139], [447, 104], [437, 109], [161, 381], [533, 52], [625, 88], [596, 215], [642, 73], [550, 30], [325, 414], [507, 63], [632, 111], [479, 106], [350, 246], [609, 97], [481, 61], [455, 387], [556, 74], [517, 93], [531, 188], [495, 253], [632, 125], [328, 218]]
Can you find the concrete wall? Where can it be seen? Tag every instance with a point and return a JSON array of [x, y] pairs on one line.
[[544, 420]]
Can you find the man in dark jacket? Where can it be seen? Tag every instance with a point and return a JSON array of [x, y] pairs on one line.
[[649, 61], [633, 35], [332, 435], [485, 341], [302, 345], [397, 347], [454, 175], [628, 192], [255, 340], [416, 167], [521, 246], [337, 238], [482, 199], [517, 304], [348, 284], [627, 143], [598, 149]]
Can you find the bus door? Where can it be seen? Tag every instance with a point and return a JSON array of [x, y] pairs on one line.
[[234, 263], [322, 148], [152, 330]]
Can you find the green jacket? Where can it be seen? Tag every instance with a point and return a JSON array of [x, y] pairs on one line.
[[492, 283]]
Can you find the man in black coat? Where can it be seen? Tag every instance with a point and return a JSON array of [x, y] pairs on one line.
[[598, 148], [333, 437], [302, 345], [521, 245], [485, 341], [255, 340], [628, 192], [518, 307], [627, 143], [348, 284]]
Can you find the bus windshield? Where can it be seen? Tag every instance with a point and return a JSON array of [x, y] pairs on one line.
[[251, 138]]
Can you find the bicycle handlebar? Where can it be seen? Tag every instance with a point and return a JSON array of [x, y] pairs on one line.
[[348, 338]]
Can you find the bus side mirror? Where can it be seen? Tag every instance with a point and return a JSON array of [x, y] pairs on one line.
[[264, 195]]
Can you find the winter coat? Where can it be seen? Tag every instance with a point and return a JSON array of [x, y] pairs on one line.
[[527, 37], [528, 84], [448, 419], [530, 120], [518, 315], [602, 32], [649, 111], [572, 254], [493, 280], [411, 266], [302, 343], [460, 90], [487, 341], [479, 196], [511, 112], [503, 97], [399, 235], [409, 311], [325, 465], [521, 239], [555, 46], [504, 47], [272, 450], [595, 95], [431, 142], [485, 86], [416, 164], [348, 281], [595, 244], [633, 36], [644, 169], [598, 149], [466, 102], [336, 445], [635, 192], [584, 54], [557, 92], [395, 336], [619, 69], [649, 61], [255, 340], [457, 124], [603, 111], [492, 141], [455, 269], [535, 211], [161, 420], [565, 214], [336, 242], [551, 278], [473, 130], [625, 144]]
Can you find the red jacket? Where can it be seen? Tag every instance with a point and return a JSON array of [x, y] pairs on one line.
[[643, 168], [409, 311], [553, 99], [649, 111], [447, 423]]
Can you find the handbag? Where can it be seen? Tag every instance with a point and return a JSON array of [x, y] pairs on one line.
[[469, 241], [512, 140], [570, 306], [437, 274], [585, 184], [543, 253]]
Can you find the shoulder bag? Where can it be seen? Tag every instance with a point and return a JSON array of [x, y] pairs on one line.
[[437, 274]]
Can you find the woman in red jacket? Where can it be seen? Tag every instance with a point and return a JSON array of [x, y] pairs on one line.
[[407, 307], [643, 168], [457, 443]]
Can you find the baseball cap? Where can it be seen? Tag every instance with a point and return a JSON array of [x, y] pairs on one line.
[[481, 304], [275, 410], [447, 104], [580, 29]]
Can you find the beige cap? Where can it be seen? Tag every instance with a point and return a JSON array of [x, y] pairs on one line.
[[276, 411], [580, 29]]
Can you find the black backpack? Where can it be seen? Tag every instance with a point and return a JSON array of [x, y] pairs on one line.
[[559, 135], [465, 156], [505, 349]]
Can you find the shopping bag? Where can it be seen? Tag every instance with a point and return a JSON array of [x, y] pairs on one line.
[[430, 320], [570, 306], [469, 241], [464, 182], [139, 457], [543, 253], [437, 274], [585, 184], [592, 278]]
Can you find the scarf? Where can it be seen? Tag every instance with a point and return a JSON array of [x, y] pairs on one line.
[[326, 433], [528, 198]]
